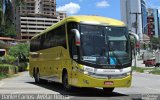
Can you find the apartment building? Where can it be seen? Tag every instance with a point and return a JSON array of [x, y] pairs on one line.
[[34, 16]]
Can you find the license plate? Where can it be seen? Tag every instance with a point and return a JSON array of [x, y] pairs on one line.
[[108, 83]]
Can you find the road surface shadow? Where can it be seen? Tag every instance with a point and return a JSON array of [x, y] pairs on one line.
[[80, 92]]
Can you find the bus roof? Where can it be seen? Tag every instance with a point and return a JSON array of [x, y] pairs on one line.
[[85, 19]]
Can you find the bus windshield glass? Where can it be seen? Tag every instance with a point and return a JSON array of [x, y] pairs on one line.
[[104, 45]]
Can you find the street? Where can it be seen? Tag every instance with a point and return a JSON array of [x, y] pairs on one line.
[[24, 84]]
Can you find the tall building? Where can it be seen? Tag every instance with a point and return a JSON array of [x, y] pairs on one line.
[[33, 16], [144, 17], [153, 22], [134, 14]]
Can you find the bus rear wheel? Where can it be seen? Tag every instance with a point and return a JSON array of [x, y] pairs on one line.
[[108, 90], [65, 83], [36, 77]]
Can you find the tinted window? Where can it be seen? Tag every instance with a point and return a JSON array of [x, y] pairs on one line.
[[53, 38]]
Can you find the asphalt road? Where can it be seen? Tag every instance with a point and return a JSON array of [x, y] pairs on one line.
[[143, 86]]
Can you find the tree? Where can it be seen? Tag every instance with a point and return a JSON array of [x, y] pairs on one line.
[[9, 31], [21, 51], [155, 42], [6, 17]]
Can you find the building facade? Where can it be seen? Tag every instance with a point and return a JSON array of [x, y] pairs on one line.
[[144, 17], [34, 16], [153, 22], [134, 14]]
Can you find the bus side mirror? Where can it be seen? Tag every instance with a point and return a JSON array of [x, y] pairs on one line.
[[134, 38], [77, 36]]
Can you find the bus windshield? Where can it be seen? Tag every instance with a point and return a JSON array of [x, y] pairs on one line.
[[104, 45]]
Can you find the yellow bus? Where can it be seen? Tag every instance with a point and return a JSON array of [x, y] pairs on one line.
[[83, 51]]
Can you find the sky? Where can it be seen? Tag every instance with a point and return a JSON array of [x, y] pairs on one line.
[[106, 8]]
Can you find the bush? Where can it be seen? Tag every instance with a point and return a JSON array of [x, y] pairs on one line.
[[8, 69], [22, 66], [7, 59], [3, 76]]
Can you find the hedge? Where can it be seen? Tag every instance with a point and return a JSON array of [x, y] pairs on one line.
[[8, 69]]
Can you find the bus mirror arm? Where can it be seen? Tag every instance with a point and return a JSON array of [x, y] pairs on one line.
[[77, 36], [135, 36]]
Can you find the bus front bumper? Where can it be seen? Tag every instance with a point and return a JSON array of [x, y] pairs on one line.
[[88, 81]]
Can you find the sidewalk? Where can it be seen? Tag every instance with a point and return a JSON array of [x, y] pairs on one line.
[[139, 63]]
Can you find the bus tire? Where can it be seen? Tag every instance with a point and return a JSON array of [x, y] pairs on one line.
[[108, 90], [65, 83], [36, 77]]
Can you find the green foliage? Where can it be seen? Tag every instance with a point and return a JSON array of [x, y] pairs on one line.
[[8, 69], [138, 69], [149, 70], [155, 71], [155, 42], [22, 66], [21, 51], [7, 30], [10, 31], [2, 75], [6, 20], [9, 59]]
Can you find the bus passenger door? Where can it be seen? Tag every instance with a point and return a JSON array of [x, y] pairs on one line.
[[74, 55]]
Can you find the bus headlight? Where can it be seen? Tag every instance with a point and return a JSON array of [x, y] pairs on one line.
[[128, 73], [88, 70]]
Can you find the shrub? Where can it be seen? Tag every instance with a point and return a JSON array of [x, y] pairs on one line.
[[9, 59], [8, 69], [22, 66]]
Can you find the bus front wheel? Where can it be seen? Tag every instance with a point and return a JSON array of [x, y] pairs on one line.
[[108, 90], [65, 83]]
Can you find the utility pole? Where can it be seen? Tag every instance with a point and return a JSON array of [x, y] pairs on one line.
[[136, 23], [136, 27]]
